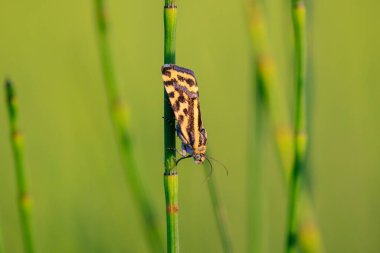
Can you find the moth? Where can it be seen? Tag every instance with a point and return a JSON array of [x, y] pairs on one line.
[[182, 89]]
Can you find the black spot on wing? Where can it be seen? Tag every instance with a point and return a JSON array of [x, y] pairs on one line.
[[169, 83], [166, 72], [181, 98], [190, 82], [185, 111], [176, 106], [180, 119], [171, 94], [181, 78]]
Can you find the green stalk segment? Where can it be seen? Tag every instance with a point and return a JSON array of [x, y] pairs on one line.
[[298, 14], [268, 99], [170, 20], [120, 119], [17, 140], [270, 90], [170, 175], [171, 197]]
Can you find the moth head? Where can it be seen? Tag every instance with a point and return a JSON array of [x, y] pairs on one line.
[[199, 155], [199, 158]]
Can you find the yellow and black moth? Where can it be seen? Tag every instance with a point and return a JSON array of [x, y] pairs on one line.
[[182, 89]]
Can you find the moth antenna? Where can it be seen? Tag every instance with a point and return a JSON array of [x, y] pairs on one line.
[[211, 170], [184, 157], [225, 168]]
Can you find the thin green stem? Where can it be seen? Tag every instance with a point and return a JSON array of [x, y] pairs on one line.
[[255, 176], [120, 120], [219, 211], [171, 197], [269, 99], [170, 175], [170, 20], [275, 104], [17, 140], [272, 93], [298, 15]]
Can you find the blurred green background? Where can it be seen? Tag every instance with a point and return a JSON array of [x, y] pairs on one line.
[[81, 202]]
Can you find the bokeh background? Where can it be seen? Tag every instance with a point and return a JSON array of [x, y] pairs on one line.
[[81, 202]]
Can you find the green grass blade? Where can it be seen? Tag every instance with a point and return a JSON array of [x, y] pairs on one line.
[[120, 121], [17, 140]]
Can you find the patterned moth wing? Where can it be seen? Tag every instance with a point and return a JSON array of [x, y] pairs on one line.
[[182, 89]]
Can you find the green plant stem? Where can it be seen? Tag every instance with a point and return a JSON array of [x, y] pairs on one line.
[[171, 197], [219, 210], [298, 15], [309, 237], [170, 175], [268, 100], [120, 119], [255, 176], [255, 172], [272, 93], [274, 104], [17, 140]]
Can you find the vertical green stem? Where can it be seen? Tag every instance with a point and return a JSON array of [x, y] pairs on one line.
[[17, 140], [120, 120], [269, 99], [275, 104], [298, 15], [255, 176], [171, 197], [170, 175], [170, 20], [271, 92]]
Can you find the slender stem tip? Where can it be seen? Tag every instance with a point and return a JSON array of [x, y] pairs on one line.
[[9, 89]]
